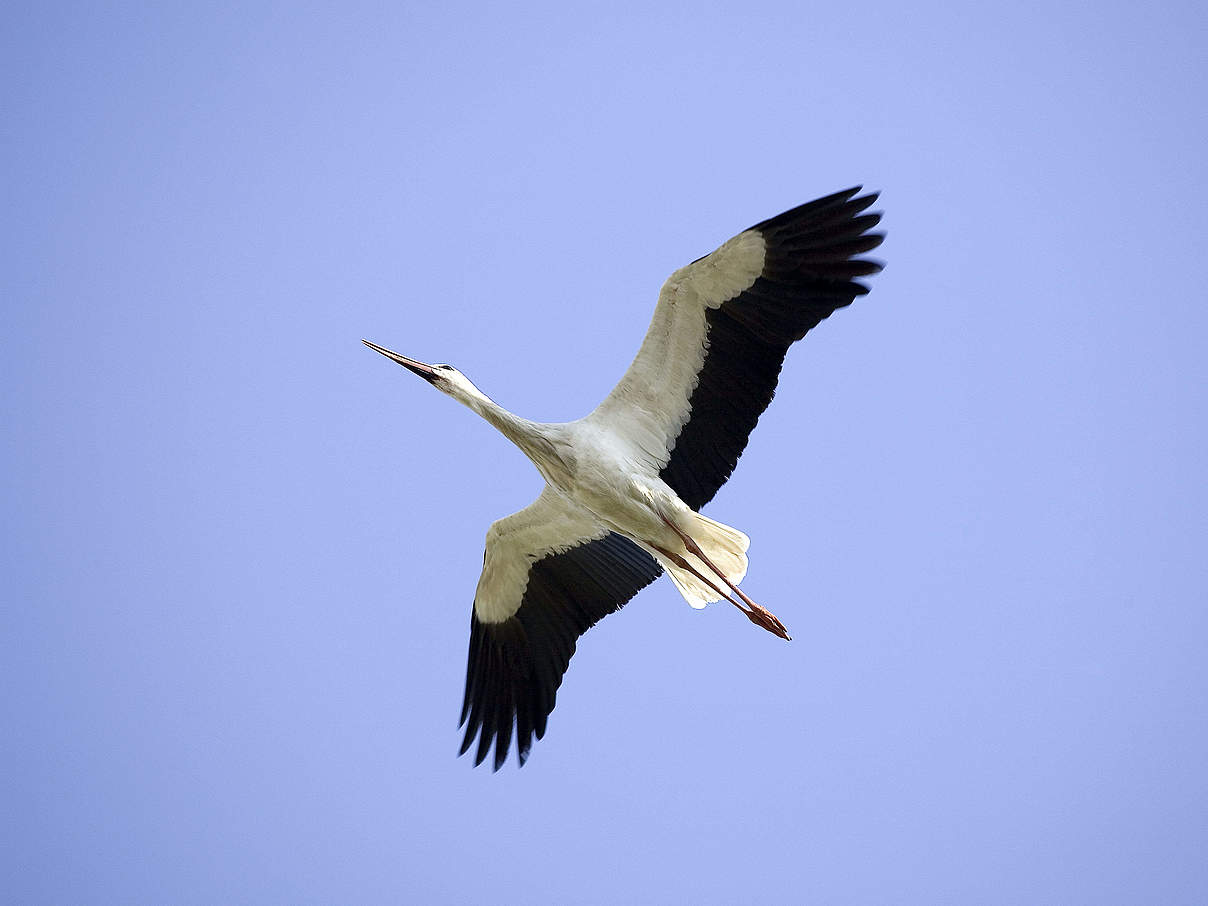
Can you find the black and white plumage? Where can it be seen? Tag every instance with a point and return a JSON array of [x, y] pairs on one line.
[[624, 484]]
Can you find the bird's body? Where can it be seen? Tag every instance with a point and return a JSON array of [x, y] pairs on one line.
[[624, 484]]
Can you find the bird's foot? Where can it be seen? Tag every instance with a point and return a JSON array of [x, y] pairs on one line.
[[762, 617]]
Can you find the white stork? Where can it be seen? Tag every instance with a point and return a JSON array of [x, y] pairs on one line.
[[624, 484]]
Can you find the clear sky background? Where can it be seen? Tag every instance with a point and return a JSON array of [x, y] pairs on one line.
[[240, 548]]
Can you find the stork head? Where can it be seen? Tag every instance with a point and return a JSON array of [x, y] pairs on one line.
[[444, 378]]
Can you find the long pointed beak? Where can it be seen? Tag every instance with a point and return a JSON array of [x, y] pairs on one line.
[[427, 372]]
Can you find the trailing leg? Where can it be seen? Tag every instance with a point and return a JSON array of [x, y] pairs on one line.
[[760, 616]]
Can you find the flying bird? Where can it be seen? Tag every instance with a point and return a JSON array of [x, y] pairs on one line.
[[624, 485]]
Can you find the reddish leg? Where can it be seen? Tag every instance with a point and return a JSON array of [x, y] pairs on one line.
[[758, 615], [684, 564]]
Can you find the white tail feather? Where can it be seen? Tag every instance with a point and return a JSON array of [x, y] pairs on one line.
[[723, 545]]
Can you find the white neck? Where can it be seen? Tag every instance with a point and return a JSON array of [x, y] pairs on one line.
[[516, 429], [531, 437]]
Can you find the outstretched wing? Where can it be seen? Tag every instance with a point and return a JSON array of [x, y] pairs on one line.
[[550, 573], [709, 363]]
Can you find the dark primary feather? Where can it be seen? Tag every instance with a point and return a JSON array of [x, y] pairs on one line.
[[515, 667], [807, 274]]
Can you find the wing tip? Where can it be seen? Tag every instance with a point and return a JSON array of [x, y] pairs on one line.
[[485, 741], [834, 205]]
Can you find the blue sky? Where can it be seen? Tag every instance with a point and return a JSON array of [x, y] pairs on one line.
[[241, 548]]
